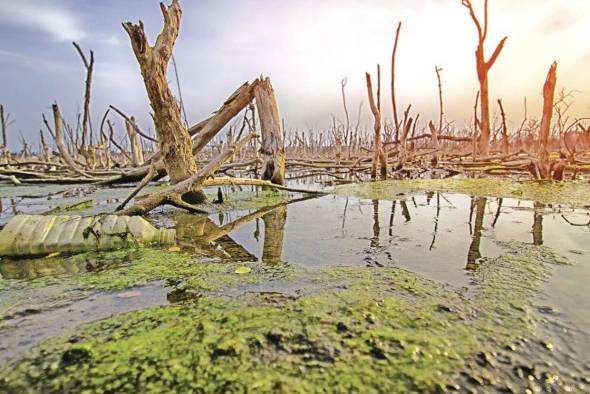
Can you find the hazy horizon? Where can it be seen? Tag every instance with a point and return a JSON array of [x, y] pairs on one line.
[[305, 47]]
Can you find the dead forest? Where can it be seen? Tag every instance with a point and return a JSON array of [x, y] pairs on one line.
[[244, 141]]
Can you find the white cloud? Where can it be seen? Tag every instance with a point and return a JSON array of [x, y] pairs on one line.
[[59, 23]]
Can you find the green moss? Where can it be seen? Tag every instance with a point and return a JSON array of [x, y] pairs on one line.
[[570, 193], [350, 330]]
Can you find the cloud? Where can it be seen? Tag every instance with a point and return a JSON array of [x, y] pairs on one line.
[[36, 15], [34, 63]]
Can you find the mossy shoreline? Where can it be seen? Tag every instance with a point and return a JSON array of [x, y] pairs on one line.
[[575, 194], [351, 330]]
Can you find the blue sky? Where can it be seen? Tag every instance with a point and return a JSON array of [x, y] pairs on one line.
[[305, 46]]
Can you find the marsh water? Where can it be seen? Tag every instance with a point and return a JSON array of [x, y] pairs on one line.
[[440, 236]]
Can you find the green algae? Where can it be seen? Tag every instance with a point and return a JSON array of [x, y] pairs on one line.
[[51, 280], [72, 207], [351, 330], [569, 193], [242, 199]]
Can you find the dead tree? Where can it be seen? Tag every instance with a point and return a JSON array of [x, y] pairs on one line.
[[483, 67], [347, 132], [403, 143], [544, 167], [136, 150], [393, 101], [548, 99], [440, 99], [44, 147], [272, 145], [89, 66], [4, 126], [378, 152], [173, 137], [60, 143], [505, 142]]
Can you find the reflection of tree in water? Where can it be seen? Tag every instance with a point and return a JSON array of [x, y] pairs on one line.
[[478, 204], [274, 234], [376, 226], [405, 210], [538, 223], [203, 236], [436, 219]]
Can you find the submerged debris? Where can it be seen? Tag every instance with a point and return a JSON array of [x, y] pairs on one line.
[[30, 235]]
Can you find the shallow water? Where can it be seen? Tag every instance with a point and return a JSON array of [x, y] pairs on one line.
[[441, 236]]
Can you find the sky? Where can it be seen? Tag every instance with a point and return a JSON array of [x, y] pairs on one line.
[[305, 46]]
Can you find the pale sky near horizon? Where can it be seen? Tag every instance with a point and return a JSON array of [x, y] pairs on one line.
[[305, 46]]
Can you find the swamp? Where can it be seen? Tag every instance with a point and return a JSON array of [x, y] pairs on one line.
[[238, 255]]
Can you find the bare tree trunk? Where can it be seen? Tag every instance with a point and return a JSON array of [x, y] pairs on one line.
[[403, 150], [272, 144], [173, 138], [44, 147], [89, 66], [136, 150], [543, 163], [3, 126], [440, 100], [505, 143], [435, 143], [483, 67], [476, 125], [236, 102], [59, 142], [343, 85], [548, 99], [393, 101], [378, 154]]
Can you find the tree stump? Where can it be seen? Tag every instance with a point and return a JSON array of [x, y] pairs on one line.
[[272, 145]]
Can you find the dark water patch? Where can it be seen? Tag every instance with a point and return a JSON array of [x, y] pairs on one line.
[[24, 330]]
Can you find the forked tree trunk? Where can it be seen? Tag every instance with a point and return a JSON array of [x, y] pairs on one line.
[[483, 67], [136, 151], [272, 144], [89, 66], [173, 138]]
